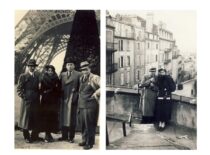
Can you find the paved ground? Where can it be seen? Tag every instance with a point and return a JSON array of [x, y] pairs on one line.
[[145, 137], [20, 143]]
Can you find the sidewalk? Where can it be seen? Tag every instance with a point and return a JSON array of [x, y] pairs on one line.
[[145, 137], [20, 143]]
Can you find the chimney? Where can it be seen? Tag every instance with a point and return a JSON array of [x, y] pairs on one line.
[[149, 20]]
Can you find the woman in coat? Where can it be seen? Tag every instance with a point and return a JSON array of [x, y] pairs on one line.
[[50, 89], [165, 86]]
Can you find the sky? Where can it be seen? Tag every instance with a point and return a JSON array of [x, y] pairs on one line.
[[181, 23], [19, 14]]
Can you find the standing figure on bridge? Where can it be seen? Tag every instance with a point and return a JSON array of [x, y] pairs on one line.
[[50, 90], [70, 87], [89, 93], [166, 86], [28, 90], [148, 98]]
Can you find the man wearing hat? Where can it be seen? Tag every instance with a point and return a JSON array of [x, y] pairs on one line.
[[89, 93], [70, 87], [28, 90], [148, 95]]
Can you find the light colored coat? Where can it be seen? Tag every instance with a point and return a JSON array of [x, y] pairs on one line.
[[28, 90], [148, 97], [70, 87]]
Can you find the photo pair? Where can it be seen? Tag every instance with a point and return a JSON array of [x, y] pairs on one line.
[[151, 79]]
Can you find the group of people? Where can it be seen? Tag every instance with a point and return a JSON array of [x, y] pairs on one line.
[[156, 103], [52, 103]]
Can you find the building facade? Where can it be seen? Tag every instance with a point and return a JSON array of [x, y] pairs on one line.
[[141, 45]]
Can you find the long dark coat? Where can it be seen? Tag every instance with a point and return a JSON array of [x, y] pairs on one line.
[[50, 90], [166, 86], [28, 90], [69, 99]]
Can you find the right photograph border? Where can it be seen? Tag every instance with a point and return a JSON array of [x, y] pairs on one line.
[[151, 80]]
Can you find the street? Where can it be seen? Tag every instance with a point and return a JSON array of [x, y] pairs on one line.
[[20, 143], [145, 137]]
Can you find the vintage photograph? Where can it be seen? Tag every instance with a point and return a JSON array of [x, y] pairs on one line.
[[151, 80], [57, 79]]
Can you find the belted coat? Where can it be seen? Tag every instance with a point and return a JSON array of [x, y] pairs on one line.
[[28, 90]]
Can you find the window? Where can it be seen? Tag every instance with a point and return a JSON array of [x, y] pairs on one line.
[[141, 58], [126, 33], [128, 60], [148, 45], [138, 60], [121, 79], [109, 36], [121, 61], [192, 92], [128, 45], [121, 47], [138, 46], [156, 46], [137, 75], [128, 77], [156, 57]]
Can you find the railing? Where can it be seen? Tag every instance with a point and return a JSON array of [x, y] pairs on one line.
[[109, 22], [110, 46], [125, 35], [111, 68], [167, 61]]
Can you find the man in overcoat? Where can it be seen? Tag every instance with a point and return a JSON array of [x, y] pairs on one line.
[[28, 90], [148, 98], [70, 87], [89, 93]]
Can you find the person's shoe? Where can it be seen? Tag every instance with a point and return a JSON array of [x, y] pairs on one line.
[[71, 141], [82, 144], [36, 139], [62, 139], [48, 140], [160, 124], [87, 147], [27, 140], [163, 125]]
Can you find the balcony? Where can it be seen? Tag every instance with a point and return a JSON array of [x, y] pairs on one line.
[[125, 35], [110, 46], [111, 68], [167, 61], [109, 22]]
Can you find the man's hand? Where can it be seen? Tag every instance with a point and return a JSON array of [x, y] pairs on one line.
[[152, 84], [94, 96]]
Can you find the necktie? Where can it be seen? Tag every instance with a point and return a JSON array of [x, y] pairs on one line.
[[84, 78], [68, 74]]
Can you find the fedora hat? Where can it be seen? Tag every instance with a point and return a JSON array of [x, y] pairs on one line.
[[69, 60], [84, 65], [161, 69], [32, 62], [153, 69]]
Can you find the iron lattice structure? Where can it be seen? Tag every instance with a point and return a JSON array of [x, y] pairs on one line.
[[42, 35]]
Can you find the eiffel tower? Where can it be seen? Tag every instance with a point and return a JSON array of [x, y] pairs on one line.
[[43, 34]]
